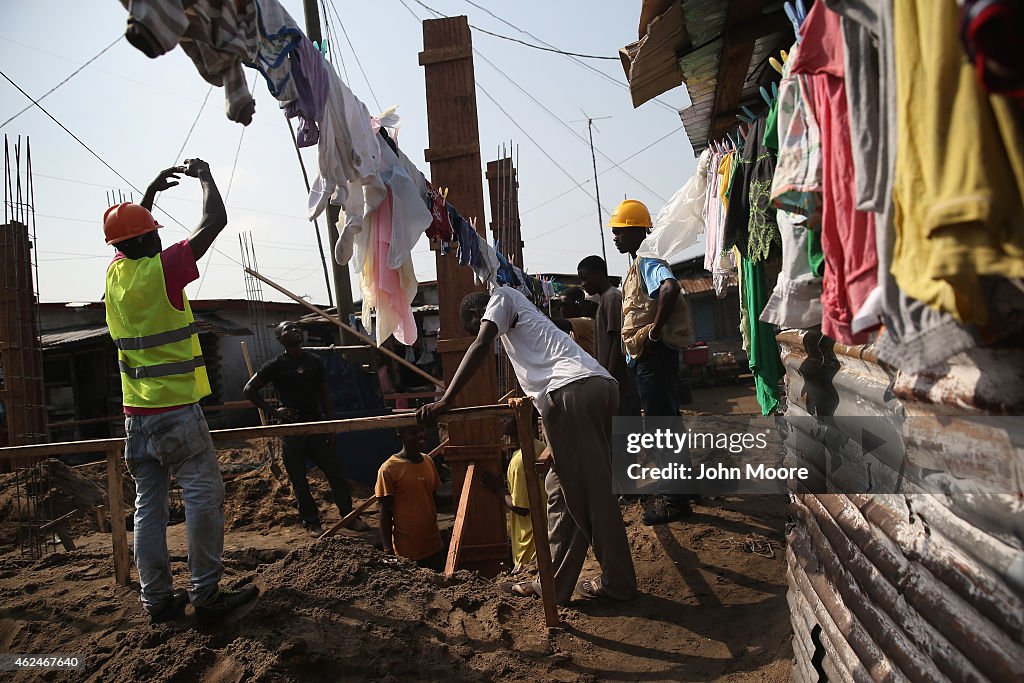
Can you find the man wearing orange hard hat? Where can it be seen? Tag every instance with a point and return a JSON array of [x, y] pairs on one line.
[[655, 326], [163, 377]]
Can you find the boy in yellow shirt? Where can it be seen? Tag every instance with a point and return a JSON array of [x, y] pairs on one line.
[[517, 500]]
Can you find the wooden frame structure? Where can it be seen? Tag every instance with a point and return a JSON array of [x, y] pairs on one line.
[[461, 416]]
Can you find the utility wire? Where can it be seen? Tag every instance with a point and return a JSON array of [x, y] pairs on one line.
[[331, 40], [589, 67], [548, 48], [69, 77], [355, 54], [102, 160], [565, 125], [516, 123], [188, 137], [631, 156]]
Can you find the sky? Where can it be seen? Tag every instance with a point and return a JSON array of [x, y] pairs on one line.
[[136, 114]]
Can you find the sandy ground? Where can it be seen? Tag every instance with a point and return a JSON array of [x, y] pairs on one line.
[[713, 606]]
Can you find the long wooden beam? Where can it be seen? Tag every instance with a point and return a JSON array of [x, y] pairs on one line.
[[355, 424], [351, 330]]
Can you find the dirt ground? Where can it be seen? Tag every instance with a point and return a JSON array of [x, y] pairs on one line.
[[713, 605]]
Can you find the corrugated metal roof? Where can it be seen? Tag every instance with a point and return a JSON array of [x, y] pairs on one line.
[[695, 284], [650, 63], [205, 323], [73, 336]]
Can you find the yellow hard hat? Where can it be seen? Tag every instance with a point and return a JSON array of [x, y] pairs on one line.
[[630, 213]]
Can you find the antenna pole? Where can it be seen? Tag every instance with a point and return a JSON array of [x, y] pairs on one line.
[[597, 188]]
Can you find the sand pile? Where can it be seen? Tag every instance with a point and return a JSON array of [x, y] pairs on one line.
[[329, 611]]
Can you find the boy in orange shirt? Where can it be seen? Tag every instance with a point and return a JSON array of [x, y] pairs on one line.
[[406, 487]]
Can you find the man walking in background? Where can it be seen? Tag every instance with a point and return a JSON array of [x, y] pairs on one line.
[[163, 377], [593, 272], [300, 379]]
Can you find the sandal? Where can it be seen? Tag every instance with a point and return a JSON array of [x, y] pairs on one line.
[[522, 589], [590, 589]]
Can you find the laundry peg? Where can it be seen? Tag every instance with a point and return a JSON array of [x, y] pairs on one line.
[[764, 95], [793, 19], [750, 114], [775, 90], [801, 11], [775, 64], [785, 56]]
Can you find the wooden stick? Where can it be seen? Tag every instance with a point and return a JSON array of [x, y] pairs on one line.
[[538, 512], [460, 520], [248, 366], [355, 424], [351, 330], [118, 532], [362, 507]]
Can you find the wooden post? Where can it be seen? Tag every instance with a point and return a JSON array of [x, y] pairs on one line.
[[248, 366], [538, 511], [454, 157], [460, 521], [118, 533]]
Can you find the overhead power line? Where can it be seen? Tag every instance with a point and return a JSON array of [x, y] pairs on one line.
[[600, 173], [68, 78], [583, 64], [545, 48]]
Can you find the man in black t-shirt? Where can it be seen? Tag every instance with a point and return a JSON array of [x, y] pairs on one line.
[[300, 379]]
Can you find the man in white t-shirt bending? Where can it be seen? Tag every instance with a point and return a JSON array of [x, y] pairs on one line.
[[576, 398]]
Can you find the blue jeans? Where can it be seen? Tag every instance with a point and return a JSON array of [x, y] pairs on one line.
[[656, 375], [178, 444]]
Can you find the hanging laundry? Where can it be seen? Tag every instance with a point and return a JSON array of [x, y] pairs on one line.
[[485, 267], [991, 31], [506, 273], [796, 299], [387, 291], [312, 85], [441, 225], [681, 220], [847, 235], [750, 221], [277, 36], [959, 212], [765, 362], [410, 215], [217, 35], [349, 152], [467, 237]]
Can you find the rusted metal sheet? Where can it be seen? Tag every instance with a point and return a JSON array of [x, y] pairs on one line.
[[934, 582]]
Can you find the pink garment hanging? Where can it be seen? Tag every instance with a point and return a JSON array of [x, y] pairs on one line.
[[393, 295]]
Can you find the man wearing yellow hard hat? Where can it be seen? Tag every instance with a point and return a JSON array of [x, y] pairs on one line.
[[655, 326]]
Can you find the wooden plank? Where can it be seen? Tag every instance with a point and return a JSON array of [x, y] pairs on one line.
[[476, 453], [445, 54], [356, 424], [248, 367], [358, 510], [351, 330], [453, 152], [460, 521], [118, 532], [538, 511]]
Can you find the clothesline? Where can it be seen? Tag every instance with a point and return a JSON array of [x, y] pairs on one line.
[[386, 203]]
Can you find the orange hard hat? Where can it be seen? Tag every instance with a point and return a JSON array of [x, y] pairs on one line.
[[630, 213], [127, 220]]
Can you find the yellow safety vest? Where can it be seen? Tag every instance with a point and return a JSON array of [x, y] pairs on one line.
[[639, 310], [158, 349]]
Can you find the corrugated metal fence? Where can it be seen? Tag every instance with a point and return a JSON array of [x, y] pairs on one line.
[[909, 586]]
